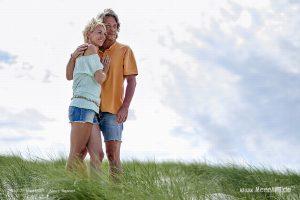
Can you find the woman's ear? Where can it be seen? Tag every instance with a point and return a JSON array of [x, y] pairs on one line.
[[88, 36]]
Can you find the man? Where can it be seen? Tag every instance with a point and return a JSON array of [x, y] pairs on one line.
[[114, 106]]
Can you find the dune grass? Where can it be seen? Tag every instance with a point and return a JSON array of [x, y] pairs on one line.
[[47, 179]]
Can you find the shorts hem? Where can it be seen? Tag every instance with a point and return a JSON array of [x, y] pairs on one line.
[[83, 122], [112, 140]]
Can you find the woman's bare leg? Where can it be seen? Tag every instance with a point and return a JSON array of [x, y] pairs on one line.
[[95, 149], [80, 134]]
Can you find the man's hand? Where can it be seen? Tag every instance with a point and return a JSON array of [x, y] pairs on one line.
[[105, 61], [122, 114], [123, 111], [79, 51]]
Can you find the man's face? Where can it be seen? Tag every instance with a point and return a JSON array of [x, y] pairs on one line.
[[111, 28]]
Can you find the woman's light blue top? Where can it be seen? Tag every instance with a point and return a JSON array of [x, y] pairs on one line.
[[84, 83]]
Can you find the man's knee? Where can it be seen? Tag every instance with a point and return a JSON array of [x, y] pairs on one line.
[[111, 156]]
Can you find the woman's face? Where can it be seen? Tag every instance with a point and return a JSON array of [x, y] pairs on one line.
[[97, 36]]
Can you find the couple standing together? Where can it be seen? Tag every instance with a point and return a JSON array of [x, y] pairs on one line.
[[98, 69]]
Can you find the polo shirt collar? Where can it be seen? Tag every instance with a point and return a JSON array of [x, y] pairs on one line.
[[111, 47]]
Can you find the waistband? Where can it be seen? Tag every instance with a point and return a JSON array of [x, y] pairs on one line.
[[88, 99]]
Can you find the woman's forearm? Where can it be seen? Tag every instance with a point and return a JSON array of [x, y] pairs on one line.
[[71, 64], [100, 76], [70, 69]]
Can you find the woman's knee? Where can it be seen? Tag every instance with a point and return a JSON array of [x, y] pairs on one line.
[[83, 153], [101, 156], [78, 149], [97, 155]]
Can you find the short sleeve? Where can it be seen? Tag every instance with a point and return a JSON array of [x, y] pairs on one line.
[[88, 64], [130, 67]]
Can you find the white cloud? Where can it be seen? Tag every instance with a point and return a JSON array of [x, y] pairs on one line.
[[27, 119], [235, 80]]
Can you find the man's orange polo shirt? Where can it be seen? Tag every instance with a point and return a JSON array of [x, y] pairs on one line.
[[122, 63]]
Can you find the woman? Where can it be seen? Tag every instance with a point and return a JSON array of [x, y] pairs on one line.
[[88, 75]]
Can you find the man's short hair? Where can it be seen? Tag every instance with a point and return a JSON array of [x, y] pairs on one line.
[[109, 13]]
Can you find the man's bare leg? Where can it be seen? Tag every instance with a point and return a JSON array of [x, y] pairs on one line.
[[113, 155]]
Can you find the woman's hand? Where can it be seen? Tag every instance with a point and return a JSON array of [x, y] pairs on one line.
[[71, 64], [100, 75], [105, 61], [79, 51]]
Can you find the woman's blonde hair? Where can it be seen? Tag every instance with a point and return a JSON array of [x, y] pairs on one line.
[[93, 23]]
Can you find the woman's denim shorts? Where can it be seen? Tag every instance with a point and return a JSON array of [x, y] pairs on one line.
[[83, 115]]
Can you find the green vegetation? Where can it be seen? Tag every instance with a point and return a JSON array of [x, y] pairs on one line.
[[44, 179]]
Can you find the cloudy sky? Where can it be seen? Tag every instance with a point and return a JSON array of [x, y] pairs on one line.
[[218, 80]]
